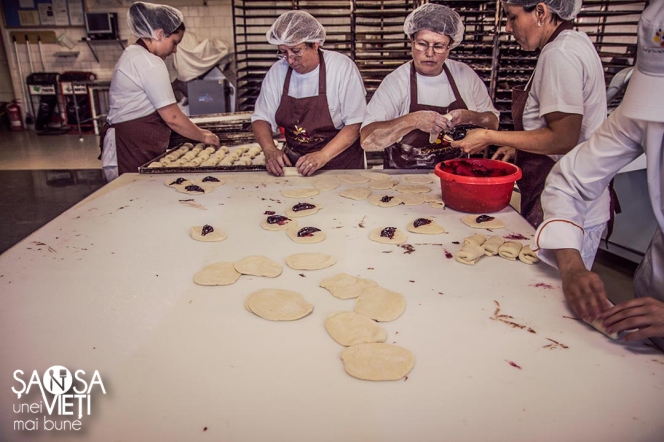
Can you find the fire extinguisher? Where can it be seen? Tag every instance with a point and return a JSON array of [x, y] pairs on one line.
[[15, 116]]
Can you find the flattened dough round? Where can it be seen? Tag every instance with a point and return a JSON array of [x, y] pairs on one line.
[[437, 204], [219, 273], [375, 176], [380, 304], [398, 238], [417, 179], [216, 235], [470, 221], [412, 188], [299, 193], [302, 213], [350, 328], [313, 239], [345, 286], [353, 179], [375, 199], [310, 261], [275, 227], [412, 199], [278, 305], [377, 361], [327, 183], [429, 229], [356, 193], [383, 184], [259, 265]]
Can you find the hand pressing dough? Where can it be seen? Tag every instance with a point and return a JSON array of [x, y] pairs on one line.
[[353, 179], [344, 286], [471, 221], [597, 325], [383, 184], [429, 229], [219, 273], [278, 305], [478, 239], [327, 183], [299, 193], [196, 233], [289, 223], [417, 179], [376, 199], [356, 193], [398, 237], [258, 265], [315, 237], [492, 245], [510, 250], [527, 256], [377, 361], [310, 261], [375, 176], [469, 254], [380, 304], [350, 328], [412, 188], [302, 213], [412, 199]]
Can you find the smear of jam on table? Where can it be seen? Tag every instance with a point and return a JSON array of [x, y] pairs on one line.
[[268, 212], [468, 168], [513, 364], [388, 232], [408, 249], [178, 181], [210, 179], [302, 206], [194, 188], [448, 255], [307, 231], [386, 199], [277, 219], [514, 236], [542, 285], [484, 219], [421, 222], [456, 242], [207, 229]]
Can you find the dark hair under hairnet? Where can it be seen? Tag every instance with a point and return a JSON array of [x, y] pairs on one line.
[[566, 9], [144, 19]]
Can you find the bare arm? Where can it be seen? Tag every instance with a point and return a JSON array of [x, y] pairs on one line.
[[178, 122], [275, 160], [311, 162], [465, 116]]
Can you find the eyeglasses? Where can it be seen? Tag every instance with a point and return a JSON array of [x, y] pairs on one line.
[[424, 46], [291, 53]]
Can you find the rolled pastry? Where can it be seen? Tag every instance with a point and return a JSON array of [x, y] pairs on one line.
[[469, 254], [492, 245], [476, 239], [510, 250], [597, 324], [527, 256]]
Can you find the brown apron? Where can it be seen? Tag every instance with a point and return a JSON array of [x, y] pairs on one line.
[[309, 127], [534, 167], [139, 141], [414, 150]]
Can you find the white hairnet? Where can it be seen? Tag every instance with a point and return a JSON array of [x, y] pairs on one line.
[[145, 18], [566, 9], [295, 27], [435, 18]]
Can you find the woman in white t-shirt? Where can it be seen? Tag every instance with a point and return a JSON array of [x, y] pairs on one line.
[[143, 110], [562, 105]]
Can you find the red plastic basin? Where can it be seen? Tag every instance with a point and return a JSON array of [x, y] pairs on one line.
[[477, 194]]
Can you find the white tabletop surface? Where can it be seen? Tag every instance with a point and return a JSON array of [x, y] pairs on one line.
[[108, 286]]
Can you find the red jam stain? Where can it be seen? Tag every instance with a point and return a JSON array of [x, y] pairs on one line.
[[277, 219], [386, 199], [513, 364], [542, 285], [388, 232], [448, 255], [269, 212], [467, 168]]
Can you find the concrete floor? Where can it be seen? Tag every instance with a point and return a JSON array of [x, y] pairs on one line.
[[44, 175]]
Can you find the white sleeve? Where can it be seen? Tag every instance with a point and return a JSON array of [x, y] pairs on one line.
[[157, 85], [269, 98], [390, 101], [352, 95], [559, 82]]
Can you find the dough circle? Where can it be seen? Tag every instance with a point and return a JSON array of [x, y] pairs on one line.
[[278, 305], [353, 179], [345, 286], [350, 328], [219, 273], [302, 213], [429, 229], [380, 304], [310, 261], [376, 176], [375, 200], [356, 193], [470, 221], [417, 179], [299, 193], [398, 238], [276, 227], [377, 361], [216, 235], [412, 199], [327, 183], [412, 188], [313, 239], [259, 265], [383, 184]]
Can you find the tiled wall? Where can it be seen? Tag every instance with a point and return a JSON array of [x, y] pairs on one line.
[[212, 21]]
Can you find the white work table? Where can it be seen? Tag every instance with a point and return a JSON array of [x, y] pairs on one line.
[[108, 286]]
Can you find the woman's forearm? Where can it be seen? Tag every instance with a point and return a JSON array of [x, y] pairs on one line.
[[180, 123]]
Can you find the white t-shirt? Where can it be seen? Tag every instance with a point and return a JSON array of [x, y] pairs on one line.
[[344, 89], [569, 78], [392, 98], [140, 85]]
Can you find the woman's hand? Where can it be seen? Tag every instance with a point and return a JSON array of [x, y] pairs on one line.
[[311, 162], [210, 138], [504, 153], [644, 314], [431, 122], [275, 161], [474, 142]]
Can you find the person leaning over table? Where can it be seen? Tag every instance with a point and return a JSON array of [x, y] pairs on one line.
[[143, 110], [316, 95], [634, 128], [410, 102], [561, 106]]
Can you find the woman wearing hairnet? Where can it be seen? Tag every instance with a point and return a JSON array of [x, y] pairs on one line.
[[143, 110], [562, 105], [422, 98], [317, 97]]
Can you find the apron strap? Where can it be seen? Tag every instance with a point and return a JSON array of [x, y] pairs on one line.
[[413, 86], [322, 86]]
